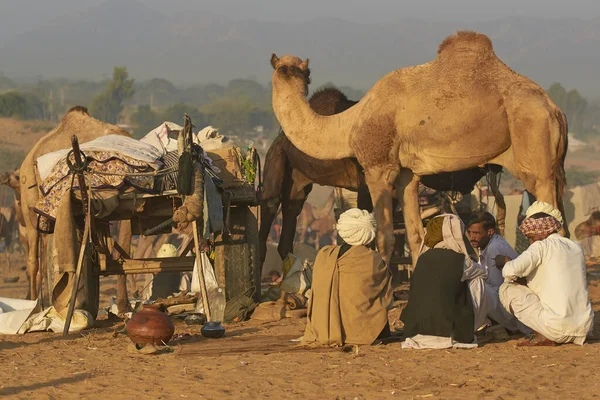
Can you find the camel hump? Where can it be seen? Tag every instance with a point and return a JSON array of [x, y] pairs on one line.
[[466, 39], [80, 109]]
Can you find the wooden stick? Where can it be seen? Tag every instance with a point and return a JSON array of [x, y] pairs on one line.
[[200, 270], [84, 241], [86, 203]]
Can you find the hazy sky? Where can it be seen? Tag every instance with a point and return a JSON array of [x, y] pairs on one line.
[[18, 16]]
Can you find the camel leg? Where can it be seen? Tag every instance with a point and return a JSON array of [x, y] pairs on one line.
[[381, 180], [268, 211], [124, 241], [276, 172], [407, 188], [32, 262], [363, 200], [291, 207], [537, 159], [492, 179]]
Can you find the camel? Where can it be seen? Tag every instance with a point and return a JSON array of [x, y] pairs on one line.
[[12, 180], [289, 176], [310, 214], [77, 121], [465, 109], [589, 227], [323, 227]]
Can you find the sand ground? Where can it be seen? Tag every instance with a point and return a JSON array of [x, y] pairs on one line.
[[258, 360]]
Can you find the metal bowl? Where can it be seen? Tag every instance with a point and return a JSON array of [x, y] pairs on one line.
[[212, 330]]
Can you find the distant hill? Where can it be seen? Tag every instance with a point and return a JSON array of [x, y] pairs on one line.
[[198, 47]]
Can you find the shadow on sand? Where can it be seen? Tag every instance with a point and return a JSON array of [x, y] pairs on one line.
[[13, 390]]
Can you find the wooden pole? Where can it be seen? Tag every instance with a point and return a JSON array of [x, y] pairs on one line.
[[85, 200], [200, 270], [84, 241]]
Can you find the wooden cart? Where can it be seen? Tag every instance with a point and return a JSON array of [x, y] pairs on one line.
[[236, 246]]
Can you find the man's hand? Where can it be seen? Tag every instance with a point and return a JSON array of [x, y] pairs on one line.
[[501, 261]]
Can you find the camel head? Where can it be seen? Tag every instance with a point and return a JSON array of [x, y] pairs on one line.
[[10, 179], [588, 228], [292, 70]]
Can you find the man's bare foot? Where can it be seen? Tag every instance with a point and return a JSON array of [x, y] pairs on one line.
[[537, 340]]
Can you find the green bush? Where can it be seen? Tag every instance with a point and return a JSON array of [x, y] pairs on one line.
[[21, 106]]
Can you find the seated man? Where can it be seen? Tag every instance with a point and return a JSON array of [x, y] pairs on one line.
[[555, 301], [448, 299], [482, 234], [351, 287]]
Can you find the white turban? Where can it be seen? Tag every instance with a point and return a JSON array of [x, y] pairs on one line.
[[543, 207], [167, 250], [357, 227]]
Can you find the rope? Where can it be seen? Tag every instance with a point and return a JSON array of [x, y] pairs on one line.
[[153, 173]]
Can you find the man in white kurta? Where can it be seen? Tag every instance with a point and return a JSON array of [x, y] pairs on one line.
[[555, 302], [482, 235]]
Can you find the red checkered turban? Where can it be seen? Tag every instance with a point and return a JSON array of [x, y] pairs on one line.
[[540, 226]]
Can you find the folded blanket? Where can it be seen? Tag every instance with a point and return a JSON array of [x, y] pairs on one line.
[[58, 184], [116, 144]]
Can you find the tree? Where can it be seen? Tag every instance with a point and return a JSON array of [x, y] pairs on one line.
[[572, 104], [21, 106], [175, 114], [144, 120], [108, 105]]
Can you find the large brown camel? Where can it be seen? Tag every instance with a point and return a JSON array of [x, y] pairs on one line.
[[465, 109], [77, 121]]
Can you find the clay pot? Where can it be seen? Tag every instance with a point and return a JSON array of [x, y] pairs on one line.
[[150, 325]]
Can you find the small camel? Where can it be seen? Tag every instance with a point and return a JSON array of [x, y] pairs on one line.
[[310, 214], [589, 227], [12, 180], [465, 109], [289, 176]]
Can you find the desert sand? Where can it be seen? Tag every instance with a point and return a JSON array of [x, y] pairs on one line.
[[259, 360]]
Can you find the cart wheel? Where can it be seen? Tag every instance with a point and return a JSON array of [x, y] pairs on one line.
[[89, 293], [236, 255]]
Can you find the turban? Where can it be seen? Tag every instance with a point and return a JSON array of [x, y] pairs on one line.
[[543, 207], [434, 232], [540, 226], [357, 227]]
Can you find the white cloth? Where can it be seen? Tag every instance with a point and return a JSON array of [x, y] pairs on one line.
[[528, 308], [419, 342], [357, 227], [113, 143], [210, 139], [13, 313], [556, 274], [543, 207], [159, 137], [53, 321]]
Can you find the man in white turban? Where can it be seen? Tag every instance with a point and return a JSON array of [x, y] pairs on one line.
[[351, 287], [357, 227], [546, 287]]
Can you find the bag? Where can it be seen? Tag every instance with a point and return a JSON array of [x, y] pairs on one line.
[[185, 174], [297, 276], [238, 308]]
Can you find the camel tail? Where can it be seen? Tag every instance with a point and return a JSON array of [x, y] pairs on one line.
[[563, 144], [561, 178]]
